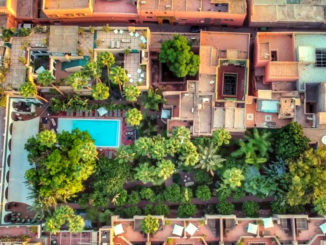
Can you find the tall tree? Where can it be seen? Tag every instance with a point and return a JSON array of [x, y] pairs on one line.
[[77, 80], [290, 142], [100, 91], [308, 178], [28, 89], [134, 117], [177, 54], [150, 225], [221, 137], [118, 76], [93, 70], [64, 215], [59, 169], [153, 99], [209, 159], [131, 93]]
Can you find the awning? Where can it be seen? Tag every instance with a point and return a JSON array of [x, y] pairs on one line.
[[268, 223], [252, 228], [323, 228], [118, 229], [18, 190], [191, 229], [177, 230], [102, 111]]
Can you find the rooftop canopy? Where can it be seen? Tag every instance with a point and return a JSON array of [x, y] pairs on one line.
[[18, 190], [268, 223], [177, 230], [252, 228], [191, 229]]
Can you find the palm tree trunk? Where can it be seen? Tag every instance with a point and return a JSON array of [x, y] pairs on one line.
[[41, 98], [57, 89]]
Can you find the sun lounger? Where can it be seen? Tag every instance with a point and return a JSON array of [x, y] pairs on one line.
[[53, 122], [119, 113], [110, 154], [96, 113], [112, 44], [118, 44]]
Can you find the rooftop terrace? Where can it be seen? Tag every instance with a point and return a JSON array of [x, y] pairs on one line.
[[119, 7], [282, 11], [64, 4], [230, 6]]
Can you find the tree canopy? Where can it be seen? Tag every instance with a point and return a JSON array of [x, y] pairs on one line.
[[308, 178], [150, 225], [59, 169], [290, 141], [177, 54], [134, 117], [100, 91], [64, 215]]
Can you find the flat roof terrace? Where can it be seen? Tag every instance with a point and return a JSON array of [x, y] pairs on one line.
[[265, 11], [120, 7], [234, 6], [3, 3], [281, 43], [66, 4]]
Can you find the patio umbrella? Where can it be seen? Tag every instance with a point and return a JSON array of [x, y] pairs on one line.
[[268, 223], [177, 230], [191, 229], [323, 228], [118, 229], [102, 111], [252, 228]]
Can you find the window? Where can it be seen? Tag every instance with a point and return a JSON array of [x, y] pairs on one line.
[[230, 84], [273, 55], [320, 58]]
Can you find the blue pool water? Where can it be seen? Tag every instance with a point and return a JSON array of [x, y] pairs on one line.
[[106, 133], [269, 106]]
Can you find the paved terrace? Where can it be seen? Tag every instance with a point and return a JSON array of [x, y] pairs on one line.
[[285, 229], [17, 71]]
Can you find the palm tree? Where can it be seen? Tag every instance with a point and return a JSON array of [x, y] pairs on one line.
[[153, 99], [106, 59], [134, 117], [28, 89], [118, 76], [100, 91], [77, 80], [47, 79], [92, 69], [255, 148], [209, 159], [131, 93]]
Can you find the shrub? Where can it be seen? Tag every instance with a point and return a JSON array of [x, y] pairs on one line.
[[147, 194], [161, 209], [131, 211], [278, 207], [238, 194], [250, 208], [225, 207], [187, 210], [121, 198], [202, 177], [172, 193], [203, 193], [223, 193], [148, 209], [133, 198]]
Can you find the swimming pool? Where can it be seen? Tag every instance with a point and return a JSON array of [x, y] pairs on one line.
[[106, 133]]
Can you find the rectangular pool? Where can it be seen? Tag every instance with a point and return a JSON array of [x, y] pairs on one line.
[[106, 133], [268, 106]]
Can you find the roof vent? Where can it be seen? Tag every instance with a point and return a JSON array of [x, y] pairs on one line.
[[142, 2], [168, 6]]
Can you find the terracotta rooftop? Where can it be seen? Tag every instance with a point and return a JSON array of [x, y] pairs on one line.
[[118, 6], [63, 39], [280, 10], [233, 6], [64, 4], [220, 45]]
